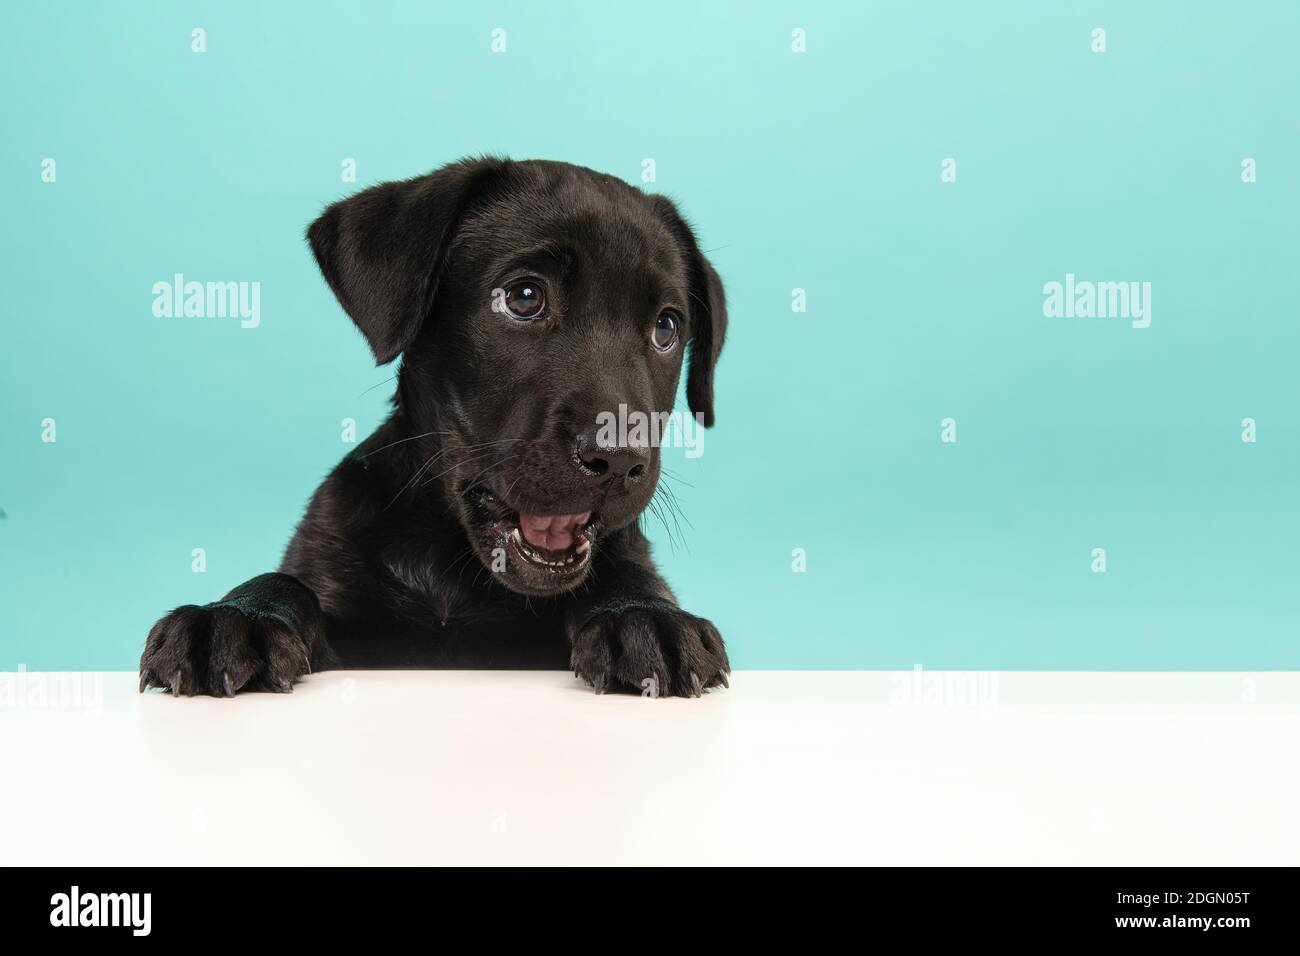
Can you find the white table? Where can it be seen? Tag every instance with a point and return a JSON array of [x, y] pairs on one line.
[[531, 767]]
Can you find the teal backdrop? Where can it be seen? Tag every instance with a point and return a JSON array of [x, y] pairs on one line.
[[823, 171]]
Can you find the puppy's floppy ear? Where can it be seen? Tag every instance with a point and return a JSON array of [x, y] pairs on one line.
[[382, 251], [708, 318]]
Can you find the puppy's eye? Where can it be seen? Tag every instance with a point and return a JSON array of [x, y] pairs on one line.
[[664, 335], [525, 300]]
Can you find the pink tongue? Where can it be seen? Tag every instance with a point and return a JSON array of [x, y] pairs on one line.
[[553, 532]]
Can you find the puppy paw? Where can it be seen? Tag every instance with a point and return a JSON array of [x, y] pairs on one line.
[[220, 649], [653, 647]]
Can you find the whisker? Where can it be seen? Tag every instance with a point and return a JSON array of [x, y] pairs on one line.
[[669, 473], [479, 452], [415, 477], [390, 378], [463, 461], [674, 503], [654, 508], [401, 491], [506, 496], [427, 434], [473, 482], [469, 553], [461, 556], [669, 502], [399, 441]]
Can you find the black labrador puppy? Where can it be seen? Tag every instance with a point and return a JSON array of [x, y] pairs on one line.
[[488, 522]]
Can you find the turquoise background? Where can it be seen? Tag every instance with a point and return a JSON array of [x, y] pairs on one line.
[[818, 171]]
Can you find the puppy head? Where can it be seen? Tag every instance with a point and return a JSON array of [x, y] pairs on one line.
[[544, 310]]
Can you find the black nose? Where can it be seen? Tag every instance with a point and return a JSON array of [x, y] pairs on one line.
[[600, 462]]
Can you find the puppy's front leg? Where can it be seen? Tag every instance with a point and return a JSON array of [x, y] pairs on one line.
[[263, 635], [627, 630]]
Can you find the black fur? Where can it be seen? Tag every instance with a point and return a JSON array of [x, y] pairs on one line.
[[393, 564]]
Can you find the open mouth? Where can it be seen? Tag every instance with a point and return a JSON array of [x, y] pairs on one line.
[[545, 553], [555, 543]]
